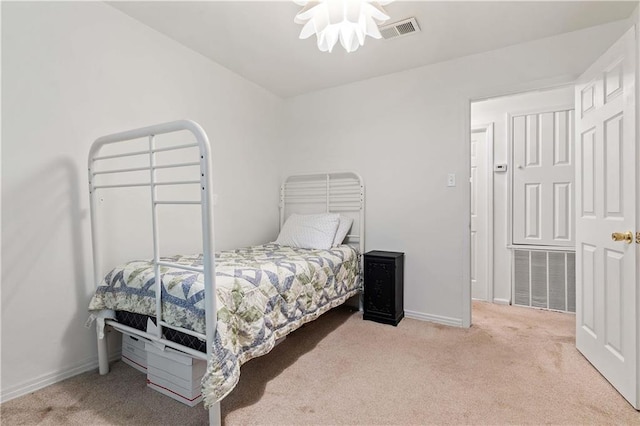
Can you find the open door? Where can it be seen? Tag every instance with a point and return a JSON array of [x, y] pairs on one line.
[[606, 217]]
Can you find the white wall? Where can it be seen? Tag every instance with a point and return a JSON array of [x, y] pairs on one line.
[[73, 72], [405, 132], [495, 111]]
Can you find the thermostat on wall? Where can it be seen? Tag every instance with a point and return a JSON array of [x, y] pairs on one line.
[[500, 168]]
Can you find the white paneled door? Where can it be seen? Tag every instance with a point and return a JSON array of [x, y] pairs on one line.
[[479, 226], [606, 203], [543, 178]]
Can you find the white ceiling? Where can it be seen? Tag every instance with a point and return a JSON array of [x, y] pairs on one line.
[[259, 40]]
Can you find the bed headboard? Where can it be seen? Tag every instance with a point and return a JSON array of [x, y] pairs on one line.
[[331, 192], [167, 165]]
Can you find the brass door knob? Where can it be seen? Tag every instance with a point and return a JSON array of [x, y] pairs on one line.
[[627, 237], [637, 237]]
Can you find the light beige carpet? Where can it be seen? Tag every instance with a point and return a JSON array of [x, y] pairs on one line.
[[514, 366]]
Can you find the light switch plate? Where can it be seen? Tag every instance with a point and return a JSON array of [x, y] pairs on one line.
[[451, 179]]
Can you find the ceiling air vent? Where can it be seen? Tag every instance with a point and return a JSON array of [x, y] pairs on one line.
[[399, 29]]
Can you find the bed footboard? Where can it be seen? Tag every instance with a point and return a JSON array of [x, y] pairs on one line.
[[104, 176]]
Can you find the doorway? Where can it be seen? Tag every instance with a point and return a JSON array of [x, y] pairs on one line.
[[606, 210], [522, 185]]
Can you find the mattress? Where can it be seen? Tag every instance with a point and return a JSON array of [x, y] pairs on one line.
[[262, 293], [139, 322]]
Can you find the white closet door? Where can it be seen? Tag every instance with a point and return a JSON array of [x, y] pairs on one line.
[[543, 178]]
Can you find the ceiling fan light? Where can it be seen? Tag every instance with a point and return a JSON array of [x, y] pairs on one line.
[[330, 37], [372, 29], [346, 36], [306, 13], [360, 34], [353, 11], [349, 21], [308, 30], [375, 11], [355, 43], [336, 9]]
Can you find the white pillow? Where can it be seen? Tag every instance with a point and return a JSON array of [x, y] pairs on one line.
[[343, 230], [316, 231]]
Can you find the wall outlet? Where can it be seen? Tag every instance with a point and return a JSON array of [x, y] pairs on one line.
[[451, 179]]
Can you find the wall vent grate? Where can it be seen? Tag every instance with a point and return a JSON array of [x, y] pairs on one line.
[[545, 279], [399, 29]]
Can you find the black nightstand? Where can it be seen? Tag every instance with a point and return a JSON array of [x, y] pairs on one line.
[[383, 286]]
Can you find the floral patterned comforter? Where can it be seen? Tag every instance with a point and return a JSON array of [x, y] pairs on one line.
[[263, 293]]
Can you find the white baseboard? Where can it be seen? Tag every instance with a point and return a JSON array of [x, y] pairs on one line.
[[455, 322], [501, 301], [45, 380]]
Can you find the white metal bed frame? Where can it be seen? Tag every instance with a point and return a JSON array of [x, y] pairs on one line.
[[311, 193]]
